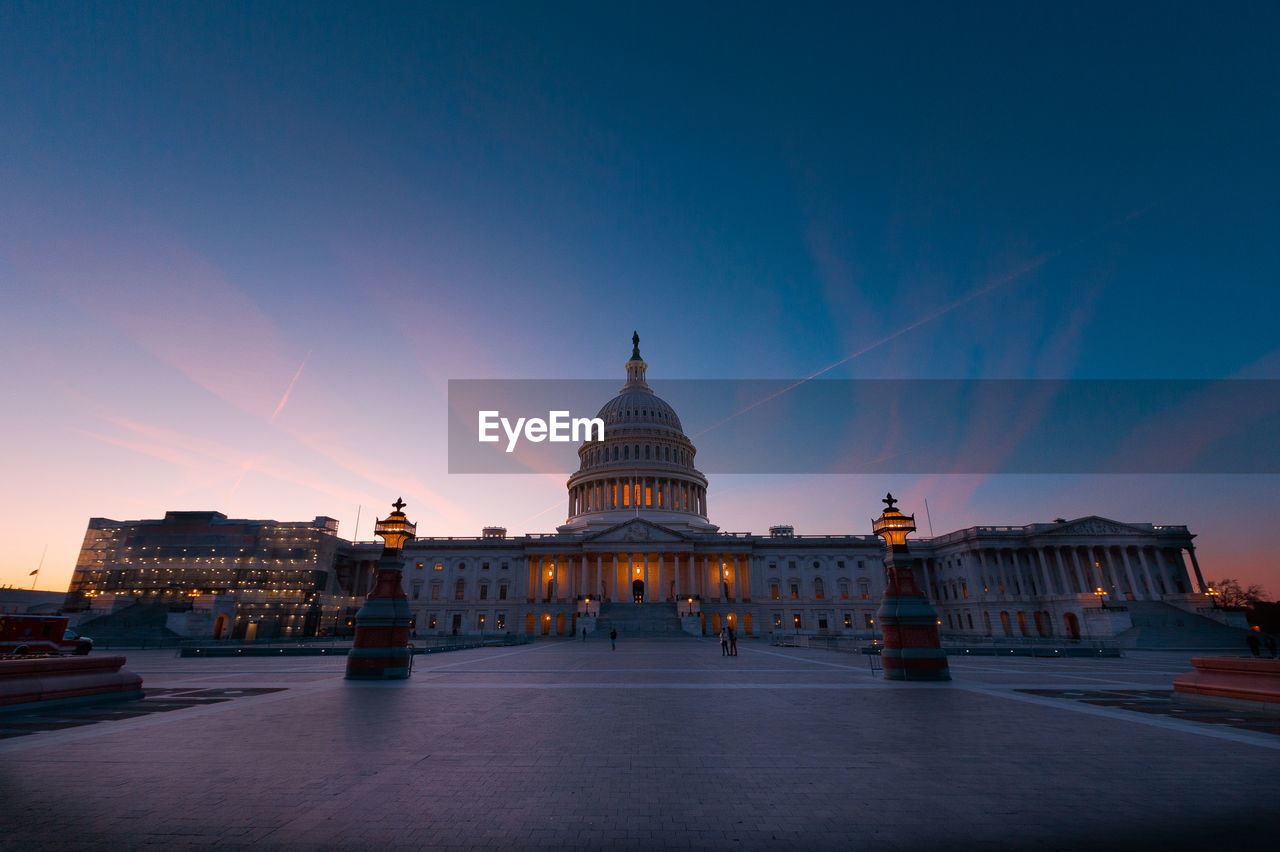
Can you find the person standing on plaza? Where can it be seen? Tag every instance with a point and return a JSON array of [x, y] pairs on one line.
[[724, 642], [1252, 641], [613, 639], [584, 634], [733, 642]]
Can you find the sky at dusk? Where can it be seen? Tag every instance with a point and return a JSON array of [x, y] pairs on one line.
[[244, 248]]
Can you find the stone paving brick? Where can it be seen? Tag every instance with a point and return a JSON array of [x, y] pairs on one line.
[[659, 745]]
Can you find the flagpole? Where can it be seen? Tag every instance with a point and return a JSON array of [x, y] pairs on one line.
[[36, 573]]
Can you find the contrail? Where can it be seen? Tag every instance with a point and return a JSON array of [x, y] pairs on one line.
[[963, 300], [289, 389]]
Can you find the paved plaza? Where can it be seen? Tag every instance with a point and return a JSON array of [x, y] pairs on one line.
[[564, 743]]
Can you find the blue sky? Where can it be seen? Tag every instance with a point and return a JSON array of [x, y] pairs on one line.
[[224, 225]]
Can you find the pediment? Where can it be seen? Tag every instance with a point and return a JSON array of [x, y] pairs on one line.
[[637, 530], [1095, 525]]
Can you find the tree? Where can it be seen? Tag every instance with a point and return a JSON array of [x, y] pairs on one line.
[[1231, 593]]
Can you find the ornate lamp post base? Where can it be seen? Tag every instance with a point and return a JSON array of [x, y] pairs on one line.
[[912, 650], [381, 648]]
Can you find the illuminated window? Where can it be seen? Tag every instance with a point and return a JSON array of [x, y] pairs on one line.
[[818, 590], [500, 621], [480, 621], [431, 621], [777, 621], [773, 591], [844, 589], [795, 591], [798, 621], [864, 589], [848, 621], [439, 566]]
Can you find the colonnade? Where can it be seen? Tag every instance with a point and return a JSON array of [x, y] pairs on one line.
[[1125, 571], [643, 492], [666, 574]]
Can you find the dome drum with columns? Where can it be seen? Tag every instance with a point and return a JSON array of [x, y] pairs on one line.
[[642, 468]]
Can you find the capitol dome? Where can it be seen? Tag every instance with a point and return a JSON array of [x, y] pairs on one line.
[[642, 468]]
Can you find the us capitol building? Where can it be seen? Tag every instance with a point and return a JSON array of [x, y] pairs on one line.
[[639, 553]]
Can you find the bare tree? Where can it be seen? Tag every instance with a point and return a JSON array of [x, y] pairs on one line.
[[1231, 593]]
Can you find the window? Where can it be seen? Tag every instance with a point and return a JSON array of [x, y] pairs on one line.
[[419, 567], [502, 592], [867, 621], [459, 589], [969, 616], [798, 621], [795, 591], [792, 565], [505, 565], [773, 591], [500, 621], [777, 621], [462, 565], [840, 563], [864, 589], [435, 591], [816, 564], [822, 621], [848, 621], [843, 585], [964, 589], [484, 591], [484, 566], [480, 621], [417, 591], [819, 590], [439, 566], [431, 621]]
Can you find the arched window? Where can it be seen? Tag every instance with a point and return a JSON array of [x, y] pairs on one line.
[[615, 453], [819, 592], [646, 451], [843, 586], [626, 453]]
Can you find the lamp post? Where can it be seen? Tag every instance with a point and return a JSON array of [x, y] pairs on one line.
[[1102, 597], [1213, 596], [381, 647], [908, 624]]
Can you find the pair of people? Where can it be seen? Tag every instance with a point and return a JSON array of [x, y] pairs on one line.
[[728, 642]]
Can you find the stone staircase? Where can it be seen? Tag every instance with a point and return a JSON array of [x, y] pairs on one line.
[[643, 619], [1158, 625]]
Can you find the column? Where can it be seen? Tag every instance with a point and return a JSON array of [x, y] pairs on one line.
[[982, 572], [616, 590], [662, 577], [1044, 572], [1153, 588], [1128, 570], [1191, 551]]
